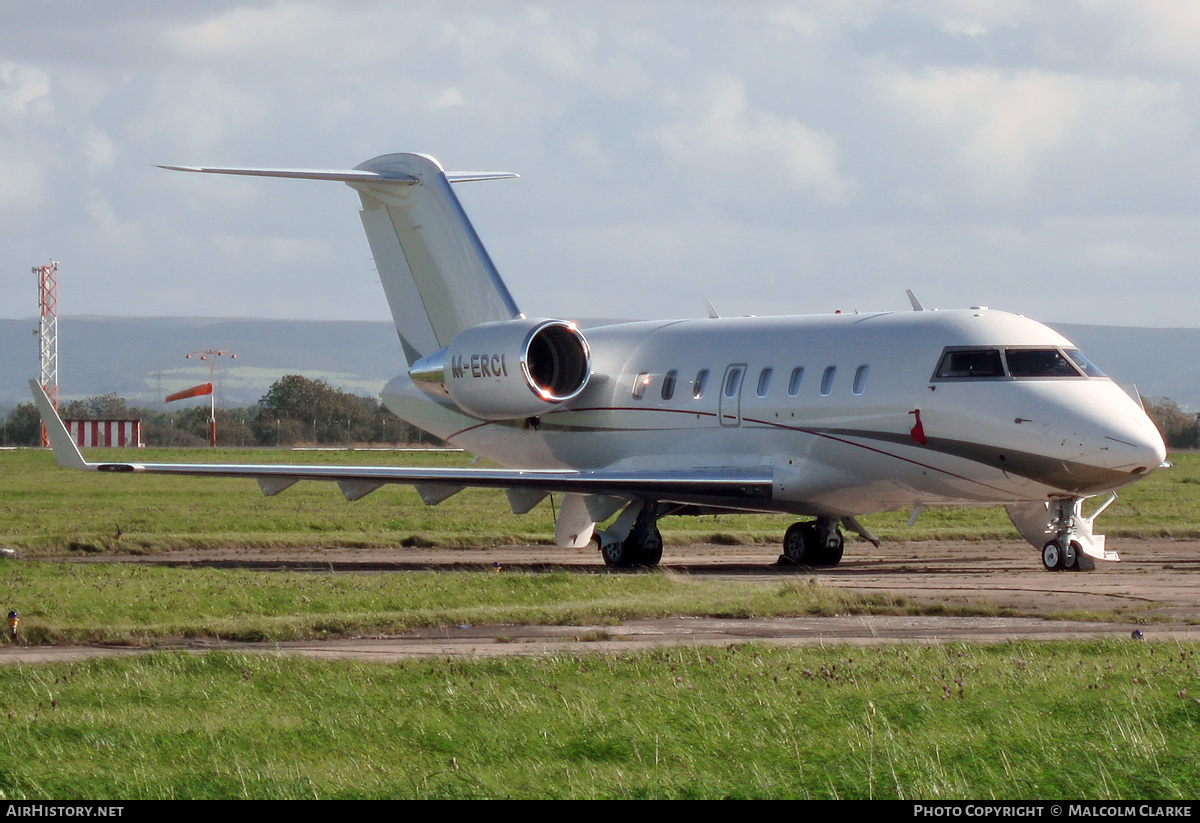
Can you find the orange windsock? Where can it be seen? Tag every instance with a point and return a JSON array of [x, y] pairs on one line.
[[194, 391]]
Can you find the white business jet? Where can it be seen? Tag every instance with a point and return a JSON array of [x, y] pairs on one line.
[[827, 417]]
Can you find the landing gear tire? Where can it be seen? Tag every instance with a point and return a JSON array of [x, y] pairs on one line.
[[643, 547], [1053, 556], [1071, 554], [617, 555], [649, 548], [799, 543], [802, 546], [831, 553]]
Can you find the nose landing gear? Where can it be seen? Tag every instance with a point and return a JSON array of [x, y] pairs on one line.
[[1072, 544], [1060, 554]]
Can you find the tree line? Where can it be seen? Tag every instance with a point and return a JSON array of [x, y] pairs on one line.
[[1180, 429], [298, 410], [295, 410]]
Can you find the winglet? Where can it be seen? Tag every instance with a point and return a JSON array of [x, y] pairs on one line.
[[65, 451], [912, 299]]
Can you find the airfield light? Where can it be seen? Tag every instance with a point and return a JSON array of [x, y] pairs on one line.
[[14, 620]]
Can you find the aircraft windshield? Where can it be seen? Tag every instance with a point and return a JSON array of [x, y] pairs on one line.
[[1018, 363], [1039, 363], [971, 363], [1089, 368]]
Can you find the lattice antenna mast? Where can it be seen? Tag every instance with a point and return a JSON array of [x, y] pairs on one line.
[[48, 331]]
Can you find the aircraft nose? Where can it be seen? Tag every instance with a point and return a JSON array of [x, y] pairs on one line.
[[1103, 441], [1133, 445], [1118, 447]]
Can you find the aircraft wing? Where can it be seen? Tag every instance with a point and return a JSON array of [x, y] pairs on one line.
[[692, 486]]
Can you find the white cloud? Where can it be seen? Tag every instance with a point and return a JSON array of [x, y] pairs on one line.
[[111, 228], [198, 111], [284, 31], [1122, 254], [449, 99], [100, 151], [1004, 127], [843, 140], [725, 131], [1154, 32], [21, 86], [23, 188]]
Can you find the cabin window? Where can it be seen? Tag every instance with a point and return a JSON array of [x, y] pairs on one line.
[[1089, 368], [795, 380], [668, 387], [827, 380], [698, 386], [1039, 363], [764, 382], [639, 385], [971, 363], [860, 379], [733, 382]]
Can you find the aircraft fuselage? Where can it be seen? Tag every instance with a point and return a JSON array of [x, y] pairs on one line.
[[848, 410]]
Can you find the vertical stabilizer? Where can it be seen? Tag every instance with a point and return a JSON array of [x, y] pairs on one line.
[[436, 274]]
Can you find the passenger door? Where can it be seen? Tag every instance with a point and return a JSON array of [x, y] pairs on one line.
[[729, 406]]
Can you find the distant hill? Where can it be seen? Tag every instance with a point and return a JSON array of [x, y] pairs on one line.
[[1161, 362], [142, 358]]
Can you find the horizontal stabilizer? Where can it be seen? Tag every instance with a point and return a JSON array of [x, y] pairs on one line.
[[474, 176], [346, 175]]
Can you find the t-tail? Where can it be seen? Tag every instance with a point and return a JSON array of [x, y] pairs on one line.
[[438, 278]]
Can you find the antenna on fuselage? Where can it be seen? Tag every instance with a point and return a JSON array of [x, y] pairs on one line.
[[712, 313], [912, 298]]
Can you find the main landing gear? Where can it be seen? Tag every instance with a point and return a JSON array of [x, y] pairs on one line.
[[643, 546], [814, 543], [633, 538]]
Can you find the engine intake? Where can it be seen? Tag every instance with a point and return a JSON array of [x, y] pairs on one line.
[[509, 369]]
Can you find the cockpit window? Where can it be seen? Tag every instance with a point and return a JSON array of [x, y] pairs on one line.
[[1039, 363], [971, 363], [1014, 363], [1089, 368]]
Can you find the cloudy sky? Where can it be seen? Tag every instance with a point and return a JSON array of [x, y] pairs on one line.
[[772, 157]]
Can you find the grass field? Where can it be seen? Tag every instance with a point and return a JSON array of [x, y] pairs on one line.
[[47, 510], [1100, 720], [1103, 720], [140, 605]]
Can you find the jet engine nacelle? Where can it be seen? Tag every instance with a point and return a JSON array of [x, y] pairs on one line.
[[508, 369]]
